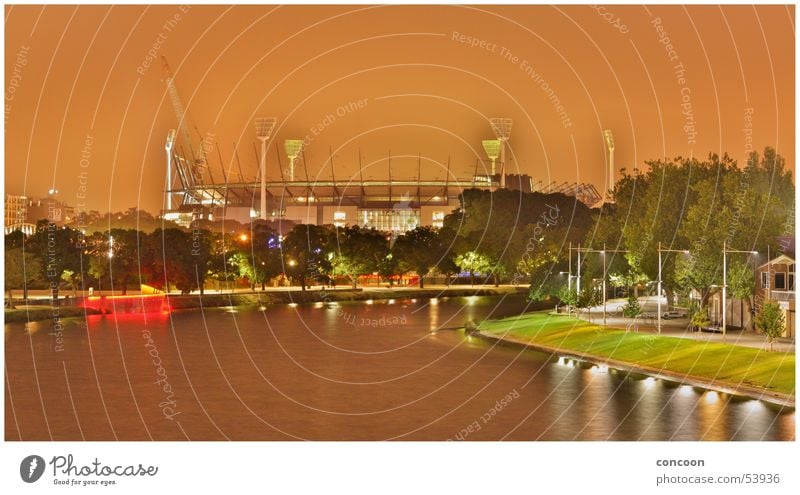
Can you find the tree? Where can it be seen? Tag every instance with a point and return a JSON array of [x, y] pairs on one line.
[[771, 322], [742, 283], [419, 250], [305, 252], [118, 249], [568, 296], [257, 256], [587, 298], [473, 262], [359, 252], [632, 309], [167, 257], [58, 249], [501, 225], [21, 269]]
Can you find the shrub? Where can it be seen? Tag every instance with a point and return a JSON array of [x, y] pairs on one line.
[[632, 308]]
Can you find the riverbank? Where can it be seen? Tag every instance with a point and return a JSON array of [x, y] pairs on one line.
[[726, 368], [39, 313], [269, 297]]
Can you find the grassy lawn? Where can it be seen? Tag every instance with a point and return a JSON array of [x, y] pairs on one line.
[[721, 362]]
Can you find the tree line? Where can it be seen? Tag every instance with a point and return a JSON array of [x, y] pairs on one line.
[[494, 237]]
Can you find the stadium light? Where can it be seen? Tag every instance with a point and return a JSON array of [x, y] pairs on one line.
[[264, 127], [293, 149]]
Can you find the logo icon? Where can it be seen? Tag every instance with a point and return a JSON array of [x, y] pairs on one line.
[[31, 468]]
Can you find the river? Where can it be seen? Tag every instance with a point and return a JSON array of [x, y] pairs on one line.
[[391, 369]]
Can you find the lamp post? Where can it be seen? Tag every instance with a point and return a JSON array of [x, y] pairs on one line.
[[725, 252], [264, 127], [658, 292], [603, 253]]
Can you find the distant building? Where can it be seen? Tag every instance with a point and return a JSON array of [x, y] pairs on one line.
[[775, 282], [22, 213], [15, 215]]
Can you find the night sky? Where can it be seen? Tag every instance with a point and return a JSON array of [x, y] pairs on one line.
[[87, 107]]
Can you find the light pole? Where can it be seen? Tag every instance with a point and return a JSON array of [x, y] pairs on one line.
[[293, 148], [725, 252], [658, 291], [168, 147], [603, 253], [264, 127], [492, 148], [502, 131]]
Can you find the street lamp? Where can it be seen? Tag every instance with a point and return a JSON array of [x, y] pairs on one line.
[[658, 293], [725, 252], [264, 127], [603, 253], [293, 148], [492, 148]]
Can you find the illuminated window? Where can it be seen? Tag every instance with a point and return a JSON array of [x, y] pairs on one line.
[[339, 218], [398, 220], [438, 219]]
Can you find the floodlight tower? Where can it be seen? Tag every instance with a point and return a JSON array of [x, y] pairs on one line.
[[168, 146], [502, 131], [293, 148], [264, 127], [609, 139], [493, 149]]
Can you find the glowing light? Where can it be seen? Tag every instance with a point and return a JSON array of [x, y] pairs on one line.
[[292, 305], [243, 237], [262, 308], [711, 397], [649, 382], [292, 263], [391, 301], [686, 390], [369, 301], [434, 301], [754, 405], [319, 305], [413, 300]]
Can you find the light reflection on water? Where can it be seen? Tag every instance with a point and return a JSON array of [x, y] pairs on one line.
[[342, 371]]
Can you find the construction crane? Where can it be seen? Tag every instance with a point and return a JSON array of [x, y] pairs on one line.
[[181, 114]]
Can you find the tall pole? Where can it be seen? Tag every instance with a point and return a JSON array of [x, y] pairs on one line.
[[169, 179], [569, 270], [263, 178], [569, 277], [168, 147], [502, 163], [769, 275], [604, 284], [578, 280], [658, 294], [264, 127], [724, 287]]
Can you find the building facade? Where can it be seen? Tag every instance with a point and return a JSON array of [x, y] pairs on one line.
[[775, 282]]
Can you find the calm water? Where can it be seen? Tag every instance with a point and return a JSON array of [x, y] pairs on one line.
[[388, 370]]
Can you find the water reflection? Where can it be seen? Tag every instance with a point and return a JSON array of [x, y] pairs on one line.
[[337, 371]]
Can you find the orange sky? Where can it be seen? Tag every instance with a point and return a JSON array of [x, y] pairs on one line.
[[398, 78]]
